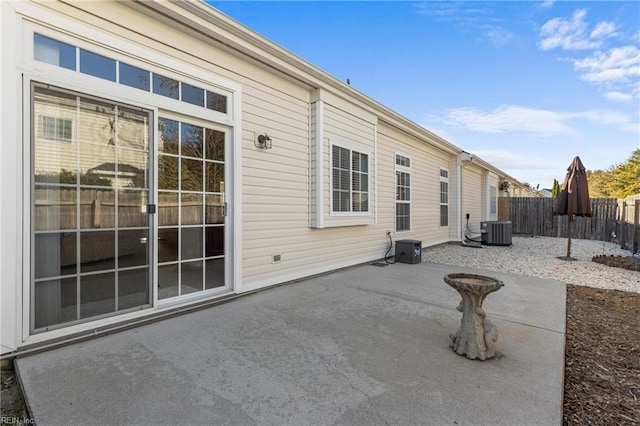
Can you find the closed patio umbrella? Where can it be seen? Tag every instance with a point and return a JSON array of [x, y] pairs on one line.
[[573, 199]]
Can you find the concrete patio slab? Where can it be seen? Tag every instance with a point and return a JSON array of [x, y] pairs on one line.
[[365, 345]]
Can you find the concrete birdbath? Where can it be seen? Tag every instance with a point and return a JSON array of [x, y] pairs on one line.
[[476, 338]]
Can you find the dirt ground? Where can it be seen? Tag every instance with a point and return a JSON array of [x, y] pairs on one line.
[[602, 357], [13, 406], [602, 364]]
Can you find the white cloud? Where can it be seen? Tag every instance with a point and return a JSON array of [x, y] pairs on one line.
[[618, 96], [453, 11], [616, 69], [574, 34], [547, 4], [567, 34], [603, 29], [465, 15], [498, 36], [508, 119], [513, 118], [607, 118], [618, 65]]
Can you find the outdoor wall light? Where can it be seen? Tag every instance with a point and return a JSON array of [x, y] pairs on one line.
[[264, 141]]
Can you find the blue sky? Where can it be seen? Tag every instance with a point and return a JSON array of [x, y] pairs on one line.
[[525, 85]]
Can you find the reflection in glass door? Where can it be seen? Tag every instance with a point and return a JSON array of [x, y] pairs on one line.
[[90, 191], [191, 208]]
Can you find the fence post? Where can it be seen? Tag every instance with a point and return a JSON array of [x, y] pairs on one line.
[[503, 208], [636, 227], [623, 225]]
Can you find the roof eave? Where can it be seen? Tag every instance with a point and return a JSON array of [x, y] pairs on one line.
[[238, 37]]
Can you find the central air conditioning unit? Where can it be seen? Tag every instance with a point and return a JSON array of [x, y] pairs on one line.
[[496, 233], [408, 251]]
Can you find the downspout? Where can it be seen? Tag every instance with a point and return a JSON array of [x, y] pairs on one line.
[[319, 164], [463, 156]]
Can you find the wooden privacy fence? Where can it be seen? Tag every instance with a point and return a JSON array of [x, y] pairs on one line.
[[534, 216], [612, 219], [628, 223]]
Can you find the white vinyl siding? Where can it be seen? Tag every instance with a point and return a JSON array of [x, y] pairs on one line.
[[425, 162], [275, 189], [472, 196]]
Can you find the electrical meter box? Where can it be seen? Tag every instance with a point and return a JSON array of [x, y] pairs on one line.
[[408, 251]]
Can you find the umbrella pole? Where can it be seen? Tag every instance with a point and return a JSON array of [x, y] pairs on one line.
[[570, 217]]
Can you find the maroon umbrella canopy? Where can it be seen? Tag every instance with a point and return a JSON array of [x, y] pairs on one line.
[[574, 195]]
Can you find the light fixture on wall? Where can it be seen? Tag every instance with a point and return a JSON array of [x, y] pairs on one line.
[[263, 141]]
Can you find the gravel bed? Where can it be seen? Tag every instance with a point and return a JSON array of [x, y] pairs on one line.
[[536, 256]]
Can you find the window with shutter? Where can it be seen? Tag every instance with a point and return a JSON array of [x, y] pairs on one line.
[[350, 180]]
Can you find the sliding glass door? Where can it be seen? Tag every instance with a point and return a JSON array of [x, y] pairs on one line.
[[191, 208], [95, 252], [91, 182]]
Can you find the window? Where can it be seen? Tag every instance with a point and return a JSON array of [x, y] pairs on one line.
[[54, 128], [444, 197], [97, 65], [64, 55], [493, 200], [216, 102], [350, 180], [193, 95], [166, 86], [403, 161], [134, 77], [54, 52], [403, 193]]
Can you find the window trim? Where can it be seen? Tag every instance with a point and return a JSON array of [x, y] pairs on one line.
[[361, 150], [493, 200], [443, 179], [402, 169]]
